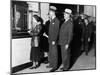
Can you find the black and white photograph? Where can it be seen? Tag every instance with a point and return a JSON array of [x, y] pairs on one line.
[[52, 37]]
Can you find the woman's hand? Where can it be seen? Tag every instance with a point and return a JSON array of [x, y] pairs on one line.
[[29, 31]]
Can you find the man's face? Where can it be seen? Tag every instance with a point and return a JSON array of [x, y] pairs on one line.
[[51, 13], [48, 16], [66, 16]]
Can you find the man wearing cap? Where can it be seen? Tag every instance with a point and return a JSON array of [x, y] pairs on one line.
[[65, 37], [53, 35]]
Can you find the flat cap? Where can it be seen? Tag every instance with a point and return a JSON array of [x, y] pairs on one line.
[[53, 8]]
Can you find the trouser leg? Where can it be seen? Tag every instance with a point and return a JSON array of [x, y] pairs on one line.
[[53, 56], [65, 57], [86, 45]]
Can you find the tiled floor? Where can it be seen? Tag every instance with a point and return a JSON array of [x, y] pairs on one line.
[[83, 62]]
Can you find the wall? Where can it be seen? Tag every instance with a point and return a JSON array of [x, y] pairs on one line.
[[21, 47], [34, 6], [90, 10], [44, 11], [20, 51]]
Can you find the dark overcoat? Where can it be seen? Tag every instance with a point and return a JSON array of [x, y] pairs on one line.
[[53, 36], [66, 33], [53, 30]]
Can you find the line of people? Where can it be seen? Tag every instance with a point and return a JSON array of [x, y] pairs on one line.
[[57, 35]]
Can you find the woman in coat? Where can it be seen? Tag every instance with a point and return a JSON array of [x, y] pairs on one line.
[[36, 54]]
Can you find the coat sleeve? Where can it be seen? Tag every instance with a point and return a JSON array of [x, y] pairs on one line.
[[56, 31], [70, 33]]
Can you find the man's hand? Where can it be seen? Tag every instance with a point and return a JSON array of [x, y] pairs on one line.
[[53, 42], [88, 39], [82, 39], [45, 35], [66, 46]]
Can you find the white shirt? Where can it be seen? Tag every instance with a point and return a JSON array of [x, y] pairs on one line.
[[67, 19]]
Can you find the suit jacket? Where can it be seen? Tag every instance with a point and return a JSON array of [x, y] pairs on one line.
[[66, 32], [53, 30]]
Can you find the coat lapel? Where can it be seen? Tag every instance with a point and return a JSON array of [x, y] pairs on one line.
[[53, 21], [65, 24]]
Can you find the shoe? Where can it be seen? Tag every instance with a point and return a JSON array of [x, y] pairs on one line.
[[33, 67], [46, 62], [82, 51], [63, 69], [86, 53], [53, 69], [49, 66], [38, 65]]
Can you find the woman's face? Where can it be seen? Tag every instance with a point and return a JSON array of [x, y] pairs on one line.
[[35, 22]]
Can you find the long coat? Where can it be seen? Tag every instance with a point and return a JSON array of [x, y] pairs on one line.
[[36, 33], [65, 37], [87, 30], [53, 36], [36, 54], [66, 32], [53, 30]]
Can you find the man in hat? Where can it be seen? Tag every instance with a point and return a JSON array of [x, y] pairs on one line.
[[52, 39], [65, 37]]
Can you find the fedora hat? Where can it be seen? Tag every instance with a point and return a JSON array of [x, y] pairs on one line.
[[68, 11]]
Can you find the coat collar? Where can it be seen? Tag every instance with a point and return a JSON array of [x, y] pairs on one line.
[[67, 21], [53, 19]]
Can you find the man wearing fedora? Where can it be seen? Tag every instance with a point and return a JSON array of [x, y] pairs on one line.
[[65, 37], [52, 39]]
